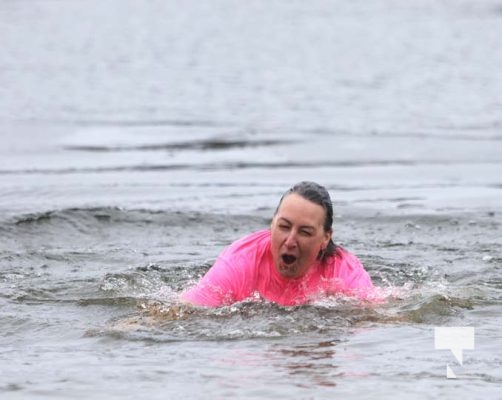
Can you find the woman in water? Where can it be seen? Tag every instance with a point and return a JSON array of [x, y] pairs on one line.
[[292, 263]]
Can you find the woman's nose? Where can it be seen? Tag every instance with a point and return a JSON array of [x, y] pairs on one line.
[[291, 240]]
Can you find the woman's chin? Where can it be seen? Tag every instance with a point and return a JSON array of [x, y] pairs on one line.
[[288, 271]]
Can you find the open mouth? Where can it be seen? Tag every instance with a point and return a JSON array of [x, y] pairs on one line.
[[288, 259]]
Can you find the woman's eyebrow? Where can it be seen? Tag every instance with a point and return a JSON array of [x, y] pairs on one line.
[[308, 227]]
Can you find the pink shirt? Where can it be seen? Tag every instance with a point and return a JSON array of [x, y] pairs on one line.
[[246, 269]]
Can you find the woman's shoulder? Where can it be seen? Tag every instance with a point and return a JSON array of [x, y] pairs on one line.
[[351, 270], [347, 256], [343, 262]]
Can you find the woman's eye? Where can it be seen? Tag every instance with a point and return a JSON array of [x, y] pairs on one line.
[[306, 233]]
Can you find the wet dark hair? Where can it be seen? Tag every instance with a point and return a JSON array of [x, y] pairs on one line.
[[317, 194]]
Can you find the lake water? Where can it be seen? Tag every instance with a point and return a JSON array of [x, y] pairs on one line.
[[139, 138]]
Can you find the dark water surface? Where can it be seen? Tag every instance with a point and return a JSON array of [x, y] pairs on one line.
[[138, 138]]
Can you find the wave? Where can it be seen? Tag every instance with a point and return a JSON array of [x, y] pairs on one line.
[[235, 165], [132, 265], [209, 144], [331, 317], [145, 302], [97, 216]]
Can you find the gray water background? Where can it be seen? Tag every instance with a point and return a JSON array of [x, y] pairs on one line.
[[138, 138]]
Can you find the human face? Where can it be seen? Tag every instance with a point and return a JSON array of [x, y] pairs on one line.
[[297, 235]]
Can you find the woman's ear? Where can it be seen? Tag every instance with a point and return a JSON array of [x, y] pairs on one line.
[[327, 237]]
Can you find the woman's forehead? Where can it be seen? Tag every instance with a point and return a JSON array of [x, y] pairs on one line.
[[297, 209]]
